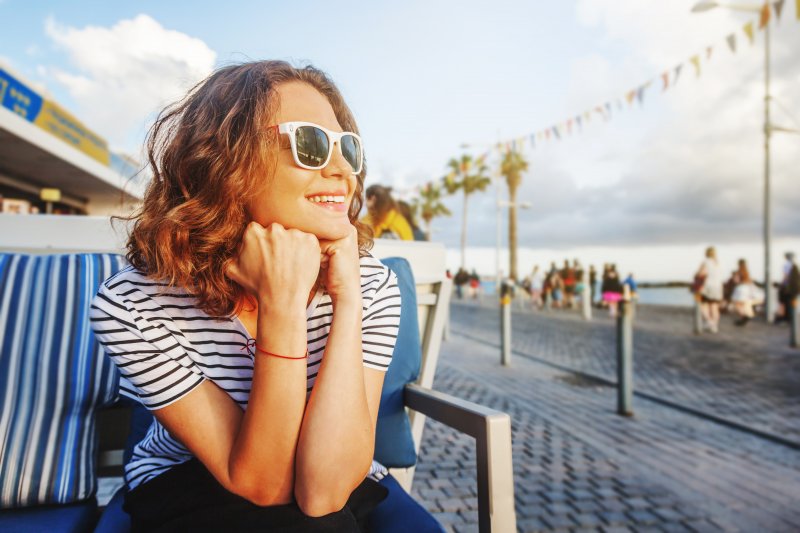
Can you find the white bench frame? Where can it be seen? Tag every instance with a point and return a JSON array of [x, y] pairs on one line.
[[45, 234]]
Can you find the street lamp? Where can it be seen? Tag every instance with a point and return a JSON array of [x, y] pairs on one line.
[[768, 128], [500, 205]]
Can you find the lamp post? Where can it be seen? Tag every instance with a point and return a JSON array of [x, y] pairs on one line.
[[768, 128], [500, 205]]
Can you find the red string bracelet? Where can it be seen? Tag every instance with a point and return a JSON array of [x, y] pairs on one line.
[[262, 350]]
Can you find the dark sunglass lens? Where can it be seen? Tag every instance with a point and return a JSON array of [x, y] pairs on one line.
[[312, 146], [351, 150]]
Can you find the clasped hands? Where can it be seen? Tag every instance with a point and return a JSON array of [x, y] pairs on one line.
[[280, 266]]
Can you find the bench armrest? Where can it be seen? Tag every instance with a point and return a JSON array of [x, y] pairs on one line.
[[492, 432]]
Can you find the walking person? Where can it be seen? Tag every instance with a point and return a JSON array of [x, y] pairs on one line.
[[537, 286], [253, 323], [612, 290], [710, 276], [789, 289]]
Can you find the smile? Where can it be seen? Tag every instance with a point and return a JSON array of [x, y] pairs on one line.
[[327, 199]]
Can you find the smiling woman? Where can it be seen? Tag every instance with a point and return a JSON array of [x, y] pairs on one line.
[[253, 322]]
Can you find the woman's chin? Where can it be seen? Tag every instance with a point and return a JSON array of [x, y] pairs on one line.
[[332, 232]]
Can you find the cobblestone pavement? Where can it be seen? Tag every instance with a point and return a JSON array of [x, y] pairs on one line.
[[748, 375], [580, 467]]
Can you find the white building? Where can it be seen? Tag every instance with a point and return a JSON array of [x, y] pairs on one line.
[[46, 153]]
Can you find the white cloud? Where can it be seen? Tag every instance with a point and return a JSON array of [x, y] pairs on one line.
[[125, 73], [684, 168]]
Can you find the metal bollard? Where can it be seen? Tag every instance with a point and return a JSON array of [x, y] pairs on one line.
[[794, 324], [505, 325], [625, 356], [698, 317], [586, 296]]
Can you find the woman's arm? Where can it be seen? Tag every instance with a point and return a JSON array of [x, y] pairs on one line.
[[337, 438], [252, 453]]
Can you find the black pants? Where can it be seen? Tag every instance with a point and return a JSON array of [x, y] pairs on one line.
[[188, 498]]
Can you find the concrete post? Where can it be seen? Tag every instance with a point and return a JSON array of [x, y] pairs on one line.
[[586, 296], [505, 324], [625, 356]]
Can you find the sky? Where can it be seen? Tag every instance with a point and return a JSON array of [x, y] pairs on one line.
[[651, 184]]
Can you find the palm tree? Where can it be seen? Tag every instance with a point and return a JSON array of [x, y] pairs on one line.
[[429, 205], [512, 167], [469, 176]]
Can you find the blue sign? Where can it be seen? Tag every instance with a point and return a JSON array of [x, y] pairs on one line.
[[18, 98]]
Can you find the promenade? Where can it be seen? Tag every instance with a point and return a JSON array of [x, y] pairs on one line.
[[580, 467]]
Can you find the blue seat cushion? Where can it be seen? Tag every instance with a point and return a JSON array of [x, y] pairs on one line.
[[76, 517], [394, 445], [400, 513], [53, 376], [114, 519]]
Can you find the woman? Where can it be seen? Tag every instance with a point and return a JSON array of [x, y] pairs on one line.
[[384, 217], [612, 290], [252, 321], [408, 214], [745, 295], [710, 275]]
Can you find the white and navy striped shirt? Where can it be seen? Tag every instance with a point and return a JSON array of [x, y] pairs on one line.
[[165, 346]]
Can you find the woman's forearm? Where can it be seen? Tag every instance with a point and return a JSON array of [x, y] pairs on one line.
[[337, 437], [262, 461]]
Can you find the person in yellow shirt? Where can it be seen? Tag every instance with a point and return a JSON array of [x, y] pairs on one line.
[[383, 216]]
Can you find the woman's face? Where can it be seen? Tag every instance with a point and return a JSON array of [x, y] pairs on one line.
[[288, 197]]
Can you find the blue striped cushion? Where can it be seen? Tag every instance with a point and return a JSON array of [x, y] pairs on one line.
[[53, 376]]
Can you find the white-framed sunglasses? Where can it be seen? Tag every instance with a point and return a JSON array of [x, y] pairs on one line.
[[312, 145]]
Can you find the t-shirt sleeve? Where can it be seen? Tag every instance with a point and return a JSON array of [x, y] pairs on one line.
[[156, 369], [381, 321]]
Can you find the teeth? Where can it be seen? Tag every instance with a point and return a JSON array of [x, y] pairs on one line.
[[327, 199]]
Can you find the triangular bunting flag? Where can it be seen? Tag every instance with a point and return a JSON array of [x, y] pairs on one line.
[[555, 132], [630, 96], [608, 109], [778, 8], [748, 30], [709, 51], [696, 62], [763, 20], [569, 126], [732, 42], [665, 79], [578, 121], [677, 74], [547, 134]]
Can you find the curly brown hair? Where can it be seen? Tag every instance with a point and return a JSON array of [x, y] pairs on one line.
[[208, 154]]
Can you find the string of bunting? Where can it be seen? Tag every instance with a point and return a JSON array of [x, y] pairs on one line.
[[666, 80]]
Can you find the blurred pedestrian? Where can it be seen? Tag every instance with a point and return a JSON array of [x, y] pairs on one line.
[[474, 284], [612, 290], [384, 217], [789, 289], [710, 275], [461, 279], [632, 286], [592, 284], [745, 294], [537, 285], [408, 214]]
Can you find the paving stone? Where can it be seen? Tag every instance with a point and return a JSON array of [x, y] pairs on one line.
[[661, 470]]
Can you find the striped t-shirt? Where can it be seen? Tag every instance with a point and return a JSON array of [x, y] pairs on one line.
[[165, 346]]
